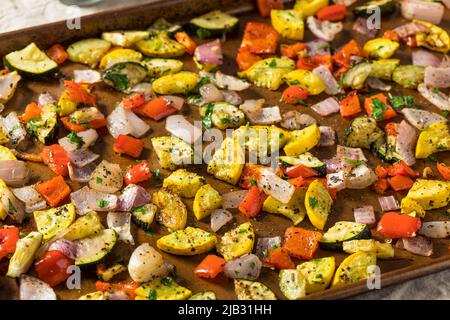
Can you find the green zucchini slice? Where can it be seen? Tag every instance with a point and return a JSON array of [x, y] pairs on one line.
[[306, 159], [344, 231], [124, 75], [144, 216], [95, 248], [386, 6], [31, 62], [160, 67], [88, 51], [213, 24]]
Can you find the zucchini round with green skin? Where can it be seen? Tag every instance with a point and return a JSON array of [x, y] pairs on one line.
[[95, 248], [160, 67], [306, 159], [222, 115], [367, 9], [160, 46], [31, 62], [124, 75], [213, 24], [144, 216], [343, 231], [357, 75], [88, 51]]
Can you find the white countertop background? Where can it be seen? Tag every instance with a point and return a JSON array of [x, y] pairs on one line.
[[17, 14]]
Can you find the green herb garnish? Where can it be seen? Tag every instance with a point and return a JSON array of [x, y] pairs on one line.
[[313, 202], [74, 138], [102, 203], [378, 109]]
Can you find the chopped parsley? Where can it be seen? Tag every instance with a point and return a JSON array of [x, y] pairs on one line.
[[152, 294], [225, 120], [204, 80], [11, 207], [207, 118], [166, 281], [445, 113], [378, 108], [74, 138], [273, 63], [313, 202], [102, 203], [353, 161], [156, 174], [252, 182], [149, 233], [139, 209], [402, 102], [99, 180]]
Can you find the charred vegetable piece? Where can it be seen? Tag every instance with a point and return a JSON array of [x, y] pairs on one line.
[[144, 216]]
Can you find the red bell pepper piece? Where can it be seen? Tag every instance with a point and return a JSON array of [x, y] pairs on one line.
[[136, 99], [444, 170], [264, 6], [380, 186], [9, 236], [292, 50], [186, 41], [259, 38], [334, 12], [156, 109], [376, 102], [294, 95], [54, 191], [251, 205], [250, 175], [246, 59], [137, 173], [396, 225], [343, 55], [381, 171], [78, 127], [392, 35], [350, 106], [77, 92], [56, 158], [399, 182], [210, 267], [299, 170], [128, 145], [32, 110], [57, 53], [52, 268], [401, 168], [279, 258], [129, 287], [301, 243]]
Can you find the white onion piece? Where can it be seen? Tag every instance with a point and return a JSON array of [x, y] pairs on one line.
[[87, 200], [388, 203], [336, 180], [14, 173], [210, 93], [120, 222], [364, 215], [146, 89], [122, 121], [324, 30], [252, 106], [66, 247], [294, 120], [174, 101], [267, 116], [263, 245], [274, 186], [227, 82], [377, 84], [360, 177], [81, 174], [82, 157], [87, 138], [246, 267], [336, 165], [107, 177], [424, 58], [181, 128], [146, 264], [361, 26], [219, 218], [318, 47], [435, 229], [87, 76], [418, 245], [326, 107], [32, 288], [13, 128], [32, 199], [232, 200], [437, 77], [331, 85], [41, 205], [422, 10], [422, 118], [46, 98], [133, 196], [8, 84], [327, 136], [14, 207], [209, 53], [406, 140], [350, 153], [232, 97], [409, 29]]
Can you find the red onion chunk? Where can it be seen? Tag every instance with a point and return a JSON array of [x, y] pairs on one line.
[[82, 157], [435, 229], [267, 116], [232, 97], [388, 203], [87, 138], [318, 47], [32, 199], [434, 96], [120, 222], [14, 173], [246, 267], [174, 101], [117, 295], [422, 57], [365, 215], [406, 140], [422, 10], [326, 107], [252, 106], [418, 245], [209, 53], [66, 247], [377, 84], [210, 93], [81, 174], [361, 26], [324, 30], [410, 29], [227, 82], [32, 288], [336, 180], [133, 196], [331, 85], [294, 120], [263, 245], [219, 218], [327, 136], [335, 165], [181, 128], [232, 200], [87, 200], [350, 153], [422, 118], [437, 77], [13, 128]]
